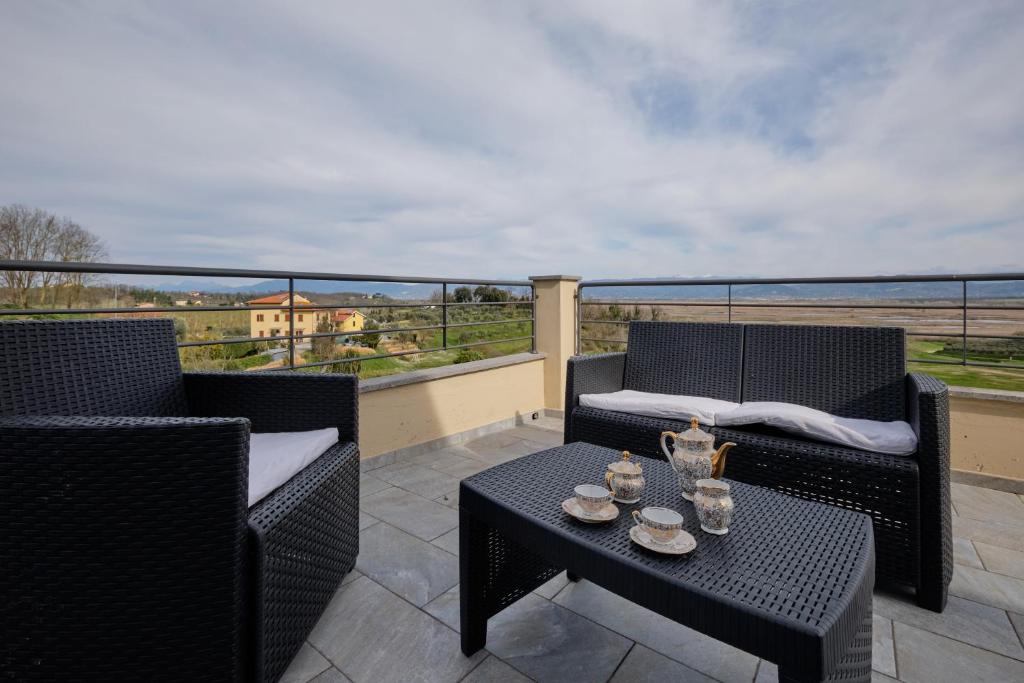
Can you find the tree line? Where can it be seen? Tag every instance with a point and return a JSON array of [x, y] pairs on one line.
[[28, 234]]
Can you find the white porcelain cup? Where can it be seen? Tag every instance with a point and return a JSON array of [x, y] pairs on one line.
[[662, 524], [592, 498]]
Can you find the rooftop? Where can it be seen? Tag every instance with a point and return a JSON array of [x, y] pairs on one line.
[[404, 597]]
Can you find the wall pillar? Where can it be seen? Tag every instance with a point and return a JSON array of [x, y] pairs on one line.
[[556, 331]]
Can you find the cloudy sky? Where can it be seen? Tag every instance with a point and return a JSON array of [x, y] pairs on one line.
[[610, 139]]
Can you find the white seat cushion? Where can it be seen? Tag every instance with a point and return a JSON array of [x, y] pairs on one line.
[[893, 438], [659, 405], [276, 457]]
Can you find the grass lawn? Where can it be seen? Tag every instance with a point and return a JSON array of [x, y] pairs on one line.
[[963, 376]]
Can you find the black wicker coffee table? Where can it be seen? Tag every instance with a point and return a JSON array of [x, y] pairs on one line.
[[791, 582]]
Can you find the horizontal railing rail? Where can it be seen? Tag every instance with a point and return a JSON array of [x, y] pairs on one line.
[[960, 302], [293, 278]]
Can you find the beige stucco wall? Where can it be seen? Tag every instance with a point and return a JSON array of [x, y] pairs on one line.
[[399, 417], [987, 436], [556, 331]]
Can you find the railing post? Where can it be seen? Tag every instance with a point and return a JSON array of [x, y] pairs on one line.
[[579, 318], [291, 322], [963, 289], [444, 315], [533, 318], [729, 305]]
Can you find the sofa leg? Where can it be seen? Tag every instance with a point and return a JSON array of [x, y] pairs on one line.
[[933, 599]]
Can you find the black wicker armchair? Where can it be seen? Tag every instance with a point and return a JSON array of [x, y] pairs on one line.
[[849, 371], [128, 548]]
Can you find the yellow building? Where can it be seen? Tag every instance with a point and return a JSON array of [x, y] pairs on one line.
[[346, 320], [273, 322]]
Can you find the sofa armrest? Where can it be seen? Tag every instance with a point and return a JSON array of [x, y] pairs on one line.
[[597, 374], [928, 414], [133, 525], [279, 401]]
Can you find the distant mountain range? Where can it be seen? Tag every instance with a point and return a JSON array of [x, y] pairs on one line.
[[422, 292]]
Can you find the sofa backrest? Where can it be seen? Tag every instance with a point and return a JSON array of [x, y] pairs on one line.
[[696, 359], [854, 372], [117, 368]]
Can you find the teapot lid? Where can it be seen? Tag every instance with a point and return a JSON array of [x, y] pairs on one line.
[[624, 466], [695, 433]]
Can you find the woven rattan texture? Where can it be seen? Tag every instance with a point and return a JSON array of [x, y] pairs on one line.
[[847, 371], [309, 532], [696, 359], [797, 568], [929, 414], [622, 431], [121, 541], [883, 486], [90, 367], [279, 402], [599, 374]]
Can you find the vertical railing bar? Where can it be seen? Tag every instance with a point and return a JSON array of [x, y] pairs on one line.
[[579, 318], [533, 318], [444, 315], [291, 323], [963, 288], [729, 306]]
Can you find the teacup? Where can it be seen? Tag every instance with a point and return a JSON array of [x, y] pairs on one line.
[[592, 498], [662, 524]]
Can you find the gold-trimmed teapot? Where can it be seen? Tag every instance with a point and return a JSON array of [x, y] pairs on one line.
[[625, 479], [694, 457]]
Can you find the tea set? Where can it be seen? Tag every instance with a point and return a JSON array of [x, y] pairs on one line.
[[698, 467]]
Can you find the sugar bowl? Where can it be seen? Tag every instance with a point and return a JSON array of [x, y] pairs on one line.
[[625, 479]]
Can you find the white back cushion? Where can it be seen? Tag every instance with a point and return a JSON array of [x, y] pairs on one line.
[[894, 438], [276, 457], [659, 405]]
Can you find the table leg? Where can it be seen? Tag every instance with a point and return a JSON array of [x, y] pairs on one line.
[[472, 567], [855, 665]]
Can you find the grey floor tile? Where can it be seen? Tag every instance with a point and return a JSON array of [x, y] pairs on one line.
[[446, 608], [992, 532], [877, 677], [695, 650], [366, 520], [332, 675], [550, 643], [350, 577], [449, 499], [966, 620], [883, 656], [493, 670], [449, 541], [496, 456], [976, 502], [985, 587], [1001, 560], [766, 672], [411, 513], [1018, 624], [925, 657], [306, 666], [466, 468], [550, 588], [414, 569], [964, 553], [370, 634], [647, 666], [545, 437], [552, 424], [422, 481], [369, 484], [442, 458], [492, 441]]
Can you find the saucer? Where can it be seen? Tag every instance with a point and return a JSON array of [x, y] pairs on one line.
[[605, 514], [680, 545]]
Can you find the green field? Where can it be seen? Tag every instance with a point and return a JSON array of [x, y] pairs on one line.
[[965, 376]]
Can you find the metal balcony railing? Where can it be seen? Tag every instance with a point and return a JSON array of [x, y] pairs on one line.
[[727, 305], [445, 303]]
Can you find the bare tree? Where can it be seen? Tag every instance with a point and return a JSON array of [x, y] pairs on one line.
[[35, 235]]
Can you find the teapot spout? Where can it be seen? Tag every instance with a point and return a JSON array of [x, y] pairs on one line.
[[718, 461]]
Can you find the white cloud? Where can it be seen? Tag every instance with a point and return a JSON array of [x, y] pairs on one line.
[[448, 138]]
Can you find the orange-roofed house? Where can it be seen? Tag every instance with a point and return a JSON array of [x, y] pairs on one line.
[[346, 320], [273, 322]]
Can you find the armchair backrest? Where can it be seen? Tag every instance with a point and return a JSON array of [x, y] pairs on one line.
[[696, 359], [857, 372], [122, 368]]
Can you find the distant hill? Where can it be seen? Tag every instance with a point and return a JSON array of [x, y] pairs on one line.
[[395, 290]]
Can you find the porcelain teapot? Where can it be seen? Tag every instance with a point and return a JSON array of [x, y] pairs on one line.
[[693, 456], [625, 479]]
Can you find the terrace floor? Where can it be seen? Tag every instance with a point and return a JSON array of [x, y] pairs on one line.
[[397, 615]]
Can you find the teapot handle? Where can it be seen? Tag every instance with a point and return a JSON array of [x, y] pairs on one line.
[[664, 447], [608, 481]]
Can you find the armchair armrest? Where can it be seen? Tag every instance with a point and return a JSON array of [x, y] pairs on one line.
[[133, 525], [598, 374], [279, 401], [928, 414]]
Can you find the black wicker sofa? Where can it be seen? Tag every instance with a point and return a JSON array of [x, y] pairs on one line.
[[855, 372], [127, 547]]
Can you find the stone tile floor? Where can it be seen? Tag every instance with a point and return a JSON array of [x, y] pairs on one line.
[[397, 615]]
